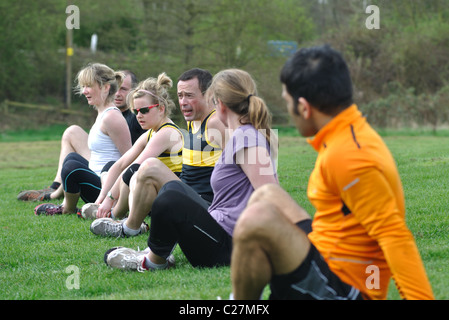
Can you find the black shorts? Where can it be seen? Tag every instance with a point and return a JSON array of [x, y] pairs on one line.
[[312, 280]]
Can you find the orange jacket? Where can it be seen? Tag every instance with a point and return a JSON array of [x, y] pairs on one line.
[[359, 225]]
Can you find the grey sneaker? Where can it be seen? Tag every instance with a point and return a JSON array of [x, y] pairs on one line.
[[89, 211], [129, 259], [108, 227]]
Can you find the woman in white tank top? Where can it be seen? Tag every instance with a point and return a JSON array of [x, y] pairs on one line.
[[102, 147], [109, 138]]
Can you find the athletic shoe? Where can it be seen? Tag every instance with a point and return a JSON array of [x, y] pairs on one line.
[[35, 195], [89, 211], [108, 227], [146, 251], [129, 259], [48, 209]]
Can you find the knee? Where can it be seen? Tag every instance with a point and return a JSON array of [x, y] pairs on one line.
[[166, 205], [70, 159], [71, 133], [129, 173], [68, 170], [267, 192], [148, 170], [164, 201], [255, 222], [70, 164]]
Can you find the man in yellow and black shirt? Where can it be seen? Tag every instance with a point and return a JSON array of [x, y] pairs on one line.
[[358, 239], [199, 156], [202, 147]]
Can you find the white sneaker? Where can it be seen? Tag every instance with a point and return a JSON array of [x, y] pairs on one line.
[[126, 259], [129, 259], [89, 211], [108, 227]]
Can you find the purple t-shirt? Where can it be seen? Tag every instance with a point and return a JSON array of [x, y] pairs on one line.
[[230, 184]]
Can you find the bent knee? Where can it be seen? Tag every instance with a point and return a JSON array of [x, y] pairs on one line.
[[155, 172], [72, 131], [149, 168], [256, 221], [267, 192]]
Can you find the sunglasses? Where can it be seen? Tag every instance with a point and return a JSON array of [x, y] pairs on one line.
[[145, 110]]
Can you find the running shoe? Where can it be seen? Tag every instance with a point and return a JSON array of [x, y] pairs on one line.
[[108, 227], [35, 195], [129, 259], [48, 209], [89, 211]]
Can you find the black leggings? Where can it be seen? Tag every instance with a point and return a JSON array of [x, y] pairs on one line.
[[78, 178], [180, 216]]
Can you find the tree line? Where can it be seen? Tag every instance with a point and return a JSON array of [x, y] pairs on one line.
[[409, 49]]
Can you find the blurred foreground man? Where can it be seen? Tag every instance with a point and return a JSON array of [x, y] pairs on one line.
[[358, 239]]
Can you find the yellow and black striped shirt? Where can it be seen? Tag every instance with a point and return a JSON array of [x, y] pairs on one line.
[[173, 160], [199, 156]]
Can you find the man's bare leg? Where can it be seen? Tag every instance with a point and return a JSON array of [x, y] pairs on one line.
[[121, 208], [70, 202], [144, 187], [266, 241]]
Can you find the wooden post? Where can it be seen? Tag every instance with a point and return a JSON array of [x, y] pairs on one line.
[[69, 54]]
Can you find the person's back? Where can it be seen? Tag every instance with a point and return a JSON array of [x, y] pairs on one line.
[[231, 186], [350, 151]]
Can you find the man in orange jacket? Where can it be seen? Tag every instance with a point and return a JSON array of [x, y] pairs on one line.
[[358, 239]]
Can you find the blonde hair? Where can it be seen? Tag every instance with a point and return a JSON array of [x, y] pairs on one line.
[[102, 75], [157, 89], [238, 91]]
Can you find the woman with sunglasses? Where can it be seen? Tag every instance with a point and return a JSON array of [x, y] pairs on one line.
[[151, 103], [108, 139]]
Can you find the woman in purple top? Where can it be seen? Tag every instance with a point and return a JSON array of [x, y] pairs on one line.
[[180, 216]]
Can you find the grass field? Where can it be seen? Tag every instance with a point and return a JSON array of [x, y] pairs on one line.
[[44, 257]]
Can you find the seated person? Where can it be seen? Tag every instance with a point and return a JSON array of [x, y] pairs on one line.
[[109, 138]]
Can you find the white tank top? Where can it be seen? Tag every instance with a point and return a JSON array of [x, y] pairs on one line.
[[102, 148]]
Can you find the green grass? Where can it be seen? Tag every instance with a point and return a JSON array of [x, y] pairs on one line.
[[36, 251], [48, 133]]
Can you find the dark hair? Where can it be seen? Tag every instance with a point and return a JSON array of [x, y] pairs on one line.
[[321, 76], [204, 78], [134, 80]]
